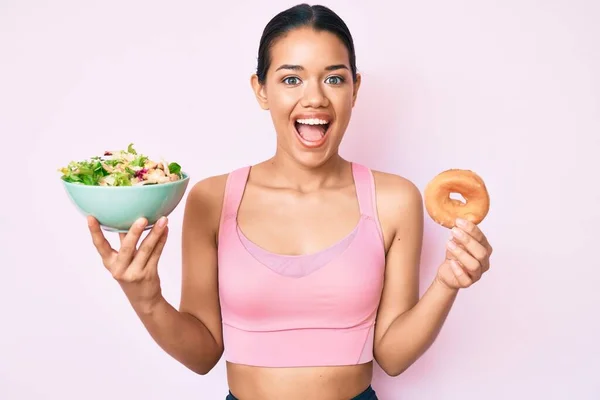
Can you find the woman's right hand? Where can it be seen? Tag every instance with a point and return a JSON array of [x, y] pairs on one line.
[[136, 269]]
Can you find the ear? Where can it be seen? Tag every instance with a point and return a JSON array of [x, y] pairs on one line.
[[260, 92], [356, 87]]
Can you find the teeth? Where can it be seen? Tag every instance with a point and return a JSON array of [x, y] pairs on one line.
[[312, 121]]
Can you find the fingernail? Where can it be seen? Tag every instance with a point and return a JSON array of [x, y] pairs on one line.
[[162, 221], [451, 244], [141, 222], [461, 222], [458, 233], [455, 267]]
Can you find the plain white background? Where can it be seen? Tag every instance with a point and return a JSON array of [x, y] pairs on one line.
[[509, 89]]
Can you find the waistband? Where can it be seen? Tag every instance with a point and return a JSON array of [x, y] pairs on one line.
[[367, 394], [299, 348]]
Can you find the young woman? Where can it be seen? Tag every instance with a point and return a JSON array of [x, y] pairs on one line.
[[304, 268]]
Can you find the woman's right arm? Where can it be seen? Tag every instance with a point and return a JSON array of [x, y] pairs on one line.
[[192, 335]]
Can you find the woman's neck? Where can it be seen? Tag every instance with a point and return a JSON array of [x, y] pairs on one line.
[[287, 172]]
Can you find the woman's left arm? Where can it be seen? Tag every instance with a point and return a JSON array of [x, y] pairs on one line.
[[406, 325]]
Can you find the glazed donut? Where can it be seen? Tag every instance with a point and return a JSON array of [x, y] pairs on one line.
[[444, 210]]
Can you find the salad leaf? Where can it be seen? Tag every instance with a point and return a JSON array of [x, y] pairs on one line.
[[86, 172], [122, 179], [175, 168], [139, 161], [120, 168], [130, 149], [113, 162]]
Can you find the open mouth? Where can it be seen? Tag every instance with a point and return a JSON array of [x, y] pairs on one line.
[[312, 132]]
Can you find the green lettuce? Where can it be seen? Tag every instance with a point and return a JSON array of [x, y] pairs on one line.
[[85, 172], [91, 172]]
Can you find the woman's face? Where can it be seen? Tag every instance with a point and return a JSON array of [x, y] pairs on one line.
[[310, 94]]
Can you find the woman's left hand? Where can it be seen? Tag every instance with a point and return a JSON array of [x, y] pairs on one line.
[[467, 256]]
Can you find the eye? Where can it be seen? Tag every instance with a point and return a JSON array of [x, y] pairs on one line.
[[291, 80], [335, 80]]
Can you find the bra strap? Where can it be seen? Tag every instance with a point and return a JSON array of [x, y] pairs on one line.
[[234, 191], [365, 192]]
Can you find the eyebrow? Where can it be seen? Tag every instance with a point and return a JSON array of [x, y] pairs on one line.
[[301, 68]]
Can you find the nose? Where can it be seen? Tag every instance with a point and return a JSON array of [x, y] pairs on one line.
[[313, 96]]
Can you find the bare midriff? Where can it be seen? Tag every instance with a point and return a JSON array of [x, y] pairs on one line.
[[296, 383]]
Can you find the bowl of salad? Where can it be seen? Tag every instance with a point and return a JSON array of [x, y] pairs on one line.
[[120, 186]]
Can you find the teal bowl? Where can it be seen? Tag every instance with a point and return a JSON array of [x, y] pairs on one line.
[[117, 207]]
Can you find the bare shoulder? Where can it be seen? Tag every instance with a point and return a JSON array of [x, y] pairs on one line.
[[205, 200], [399, 206], [209, 189], [395, 192]]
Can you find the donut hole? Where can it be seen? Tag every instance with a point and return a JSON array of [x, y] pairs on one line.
[[458, 196]]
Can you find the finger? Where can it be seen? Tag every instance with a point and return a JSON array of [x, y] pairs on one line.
[[149, 244], [476, 233], [158, 249], [449, 255], [473, 230], [478, 250], [129, 242], [485, 268], [122, 236], [102, 245], [462, 278], [470, 263], [470, 244]]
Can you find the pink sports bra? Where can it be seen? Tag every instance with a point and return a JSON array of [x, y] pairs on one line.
[[310, 310]]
